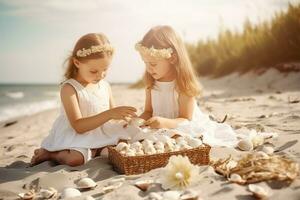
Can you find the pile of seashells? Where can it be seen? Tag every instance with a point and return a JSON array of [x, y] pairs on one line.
[[158, 144], [258, 166]]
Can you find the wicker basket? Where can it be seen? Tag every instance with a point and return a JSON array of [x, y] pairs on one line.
[[140, 164]]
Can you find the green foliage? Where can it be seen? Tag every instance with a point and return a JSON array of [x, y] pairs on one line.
[[258, 47]]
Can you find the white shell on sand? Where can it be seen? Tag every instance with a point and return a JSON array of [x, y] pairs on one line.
[[70, 192], [112, 187], [122, 146], [28, 195], [268, 150], [171, 195], [231, 164], [86, 183], [155, 196], [257, 140], [143, 184], [48, 193], [258, 191], [236, 178], [245, 145]]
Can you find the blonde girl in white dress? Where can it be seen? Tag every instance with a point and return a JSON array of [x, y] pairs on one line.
[[171, 88], [86, 105]]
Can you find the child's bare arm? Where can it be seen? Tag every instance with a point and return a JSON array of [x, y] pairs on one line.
[[82, 125], [147, 114]]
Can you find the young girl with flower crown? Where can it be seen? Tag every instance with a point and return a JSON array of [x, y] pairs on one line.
[[86, 105], [171, 88]]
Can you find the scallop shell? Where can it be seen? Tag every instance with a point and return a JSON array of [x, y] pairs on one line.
[[195, 142], [122, 146], [236, 178], [146, 143], [143, 184], [136, 145], [137, 121], [268, 150], [159, 146], [150, 150], [180, 139], [155, 196], [48, 193], [130, 152], [70, 193], [28, 195], [245, 145], [169, 146], [258, 191], [140, 153], [86, 183]]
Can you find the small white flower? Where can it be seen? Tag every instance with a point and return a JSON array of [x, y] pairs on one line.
[[94, 49], [179, 173], [157, 53]]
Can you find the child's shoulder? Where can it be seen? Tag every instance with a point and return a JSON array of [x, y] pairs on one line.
[[67, 89]]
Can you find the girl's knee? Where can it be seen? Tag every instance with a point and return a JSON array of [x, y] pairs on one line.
[[74, 161]]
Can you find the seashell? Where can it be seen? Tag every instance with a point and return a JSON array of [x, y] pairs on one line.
[[171, 195], [143, 184], [137, 146], [159, 145], [86, 183], [112, 187], [189, 195], [257, 140], [130, 152], [137, 122], [231, 164], [236, 178], [146, 143], [150, 150], [194, 142], [245, 145], [48, 193], [122, 146], [180, 139], [169, 146], [116, 180], [28, 195], [154, 196], [268, 150], [261, 155], [258, 191], [140, 153], [70, 193]]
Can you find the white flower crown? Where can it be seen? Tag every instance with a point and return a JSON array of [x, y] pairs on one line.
[[94, 49], [157, 53]]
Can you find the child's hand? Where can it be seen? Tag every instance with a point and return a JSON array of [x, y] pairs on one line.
[[122, 112], [155, 122]]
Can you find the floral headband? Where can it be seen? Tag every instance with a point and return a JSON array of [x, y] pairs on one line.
[[157, 53], [94, 49]]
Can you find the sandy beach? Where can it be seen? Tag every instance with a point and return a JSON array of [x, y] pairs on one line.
[[268, 102]]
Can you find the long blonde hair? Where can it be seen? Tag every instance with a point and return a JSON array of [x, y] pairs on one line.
[[161, 37], [86, 41]]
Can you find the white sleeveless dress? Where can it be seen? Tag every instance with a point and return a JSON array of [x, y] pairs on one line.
[[63, 136], [164, 99]]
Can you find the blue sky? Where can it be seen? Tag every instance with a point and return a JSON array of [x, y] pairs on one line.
[[37, 36]]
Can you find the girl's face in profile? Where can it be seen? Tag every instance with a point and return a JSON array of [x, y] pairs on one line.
[[93, 70], [159, 69]]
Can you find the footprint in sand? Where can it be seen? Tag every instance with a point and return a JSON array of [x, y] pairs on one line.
[[10, 148]]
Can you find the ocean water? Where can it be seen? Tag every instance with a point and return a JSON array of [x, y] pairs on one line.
[[18, 100]]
